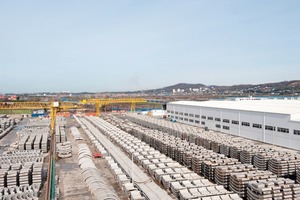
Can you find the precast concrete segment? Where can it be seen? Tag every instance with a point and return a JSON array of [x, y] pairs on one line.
[[91, 176], [247, 151], [150, 189]]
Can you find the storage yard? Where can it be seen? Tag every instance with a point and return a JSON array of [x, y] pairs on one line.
[[133, 156]]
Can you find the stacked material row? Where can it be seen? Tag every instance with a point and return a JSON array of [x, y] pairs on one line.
[[229, 176], [284, 164], [119, 174], [234, 175], [64, 150], [21, 177], [7, 124], [60, 134], [298, 175], [76, 134], [92, 138], [222, 173], [19, 168], [175, 177], [201, 160], [280, 161], [37, 122], [8, 158], [123, 180], [274, 188], [91, 176], [20, 193], [238, 182], [34, 138]]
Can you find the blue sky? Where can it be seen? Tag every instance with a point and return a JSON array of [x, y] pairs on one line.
[[131, 45]]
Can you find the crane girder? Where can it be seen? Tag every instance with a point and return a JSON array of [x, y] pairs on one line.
[[106, 101]]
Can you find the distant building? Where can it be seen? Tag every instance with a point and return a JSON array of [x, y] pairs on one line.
[[272, 121]]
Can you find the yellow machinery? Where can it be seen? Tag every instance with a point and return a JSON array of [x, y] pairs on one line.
[[106, 101], [54, 107]]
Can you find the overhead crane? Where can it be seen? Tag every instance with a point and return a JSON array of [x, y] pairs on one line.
[[54, 107], [106, 101]]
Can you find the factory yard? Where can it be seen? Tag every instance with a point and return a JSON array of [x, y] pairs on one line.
[[136, 157]]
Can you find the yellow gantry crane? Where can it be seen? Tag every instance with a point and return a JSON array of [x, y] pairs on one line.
[[54, 107], [106, 101]]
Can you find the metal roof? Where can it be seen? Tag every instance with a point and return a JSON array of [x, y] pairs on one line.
[[289, 107]]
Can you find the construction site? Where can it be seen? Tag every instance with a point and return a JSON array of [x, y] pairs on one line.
[[79, 150]]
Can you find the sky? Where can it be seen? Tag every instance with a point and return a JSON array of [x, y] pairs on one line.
[[124, 45]]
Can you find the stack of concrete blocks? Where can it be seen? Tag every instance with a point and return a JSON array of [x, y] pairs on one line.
[[30, 142], [3, 173], [45, 143], [239, 181], [298, 175], [124, 182], [277, 188], [57, 134], [284, 164], [22, 192], [24, 175], [37, 142], [37, 171], [222, 173], [155, 163], [63, 137], [64, 150], [12, 178]]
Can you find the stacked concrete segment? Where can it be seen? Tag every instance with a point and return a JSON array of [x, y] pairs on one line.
[[20, 193], [91, 176], [64, 150], [150, 157], [275, 188], [238, 182], [232, 146], [298, 175]]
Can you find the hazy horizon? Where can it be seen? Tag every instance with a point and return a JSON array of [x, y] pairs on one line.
[[126, 45]]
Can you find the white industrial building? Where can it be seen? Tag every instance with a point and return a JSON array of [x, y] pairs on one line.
[[272, 121]]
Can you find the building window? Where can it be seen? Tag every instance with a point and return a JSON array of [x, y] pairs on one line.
[[283, 130], [203, 117], [210, 118], [186, 119], [191, 115], [180, 118], [172, 112], [226, 127], [176, 117], [203, 123], [235, 122], [256, 125], [168, 111], [218, 126], [197, 116], [191, 120], [270, 128], [185, 114], [217, 119], [197, 121], [176, 113], [245, 124], [296, 132], [172, 117], [180, 113], [226, 120]]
